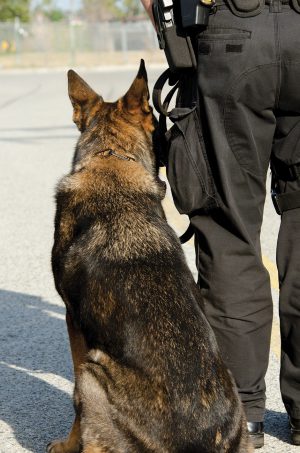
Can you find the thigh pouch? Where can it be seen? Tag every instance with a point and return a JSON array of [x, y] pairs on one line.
[[184, 151]]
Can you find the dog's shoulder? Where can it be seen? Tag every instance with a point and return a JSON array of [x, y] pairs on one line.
[[107, 179]]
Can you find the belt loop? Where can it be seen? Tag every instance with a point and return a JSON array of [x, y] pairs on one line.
[[275, 6]]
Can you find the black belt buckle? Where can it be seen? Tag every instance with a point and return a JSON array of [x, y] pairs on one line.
[[275, 202]]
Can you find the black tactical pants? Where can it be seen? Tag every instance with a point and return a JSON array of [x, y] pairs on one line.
[[249, 81]]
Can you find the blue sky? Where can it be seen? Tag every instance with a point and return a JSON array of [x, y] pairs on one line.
[[64, 4]]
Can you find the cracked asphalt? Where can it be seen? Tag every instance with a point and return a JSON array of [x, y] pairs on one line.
[[37, 140]]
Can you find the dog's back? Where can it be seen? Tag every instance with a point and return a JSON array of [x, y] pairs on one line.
[[154, 380]]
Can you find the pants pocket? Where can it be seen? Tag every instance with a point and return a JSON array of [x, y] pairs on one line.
[[188, 168], [224, 34]]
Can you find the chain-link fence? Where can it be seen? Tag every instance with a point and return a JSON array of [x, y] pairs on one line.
[[76, 43]]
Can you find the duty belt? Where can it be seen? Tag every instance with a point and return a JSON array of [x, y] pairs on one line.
[[286, 173]]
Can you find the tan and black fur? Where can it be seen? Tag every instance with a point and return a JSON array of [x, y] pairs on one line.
[[148, 374]]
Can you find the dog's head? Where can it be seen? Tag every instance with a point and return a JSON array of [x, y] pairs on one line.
[[124, 126]]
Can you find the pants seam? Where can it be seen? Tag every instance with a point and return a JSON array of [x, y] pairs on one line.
[[278, 58]]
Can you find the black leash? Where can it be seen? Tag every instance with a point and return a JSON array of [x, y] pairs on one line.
[[185, 237]]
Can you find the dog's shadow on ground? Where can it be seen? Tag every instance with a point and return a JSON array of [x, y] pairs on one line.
[[36, 374], [35, 370]]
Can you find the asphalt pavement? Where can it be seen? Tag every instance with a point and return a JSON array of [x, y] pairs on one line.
[[37, 140]]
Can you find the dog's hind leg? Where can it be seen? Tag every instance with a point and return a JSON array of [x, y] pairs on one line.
[[101, 428], [72, 444]]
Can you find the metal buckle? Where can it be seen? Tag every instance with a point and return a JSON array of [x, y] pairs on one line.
[[274, 196], [210, 3]]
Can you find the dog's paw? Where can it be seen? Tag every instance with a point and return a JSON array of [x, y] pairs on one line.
[[61, 446]]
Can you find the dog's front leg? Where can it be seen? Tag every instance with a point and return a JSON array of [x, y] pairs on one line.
[[79, 350]]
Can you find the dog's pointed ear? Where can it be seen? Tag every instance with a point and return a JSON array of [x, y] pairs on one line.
[[137, 97], [84, 100]]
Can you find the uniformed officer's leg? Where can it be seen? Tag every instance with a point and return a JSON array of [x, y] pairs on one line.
[[238, 86], [236, 291], [286, 153], [288, 262]]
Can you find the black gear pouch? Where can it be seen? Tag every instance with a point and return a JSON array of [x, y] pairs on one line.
[[188, 169], [187, 165], [246, 8]]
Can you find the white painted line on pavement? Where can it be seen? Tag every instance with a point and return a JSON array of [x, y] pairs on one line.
[[52, 379]]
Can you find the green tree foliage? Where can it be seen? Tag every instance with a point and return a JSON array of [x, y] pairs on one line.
[[50, 10], [55, 15], [10, 9], [111, 9]]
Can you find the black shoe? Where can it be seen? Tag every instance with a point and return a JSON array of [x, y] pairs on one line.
[[256, 433], [295, 431]]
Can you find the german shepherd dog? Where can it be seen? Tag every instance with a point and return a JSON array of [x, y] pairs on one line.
[[148, 373]]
